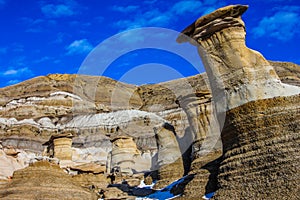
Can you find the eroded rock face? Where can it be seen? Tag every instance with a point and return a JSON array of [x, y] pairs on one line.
[[123, 154], [261, 132], [199, 110], [169, 157], [261, 150], [60, 146]]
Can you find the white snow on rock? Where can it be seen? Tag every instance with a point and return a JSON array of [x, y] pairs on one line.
[[208, 196], [163, 194], [143, 185], [62, 93], [31, 99], [35, 99]]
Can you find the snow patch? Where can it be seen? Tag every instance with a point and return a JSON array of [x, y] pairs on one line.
[[61, 93], [143, 185], [208, 196], [165, 193]]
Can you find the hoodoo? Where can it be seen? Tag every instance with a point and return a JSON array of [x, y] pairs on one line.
[[261, 131]]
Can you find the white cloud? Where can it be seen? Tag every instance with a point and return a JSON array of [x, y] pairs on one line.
[[12, 82], [182, 7], [36, 25], [79, 47], [17, 72], [65, 9], [125, 9], [146, 15], [43, 59], [60, 10], [282, 25]]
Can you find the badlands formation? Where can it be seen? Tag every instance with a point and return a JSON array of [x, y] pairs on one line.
[[233, 131]]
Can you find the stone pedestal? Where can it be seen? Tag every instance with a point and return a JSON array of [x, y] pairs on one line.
[[123, 152], [59, 146]]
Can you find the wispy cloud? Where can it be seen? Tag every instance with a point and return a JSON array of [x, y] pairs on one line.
[[182, 7], [65, 9], [25, 71], [43, 59], [36, 25], [79, 47], [282, 25], [12, 82], [16, 47], [150, 18], [125, 9], [146, 15], [3, 50]]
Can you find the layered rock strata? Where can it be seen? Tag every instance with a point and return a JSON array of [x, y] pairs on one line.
[[199, 110], [261, 132], [237, 74], [43, 180], [59, 146], [123, 154]]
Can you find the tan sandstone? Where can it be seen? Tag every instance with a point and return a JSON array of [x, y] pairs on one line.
[[261, 133]]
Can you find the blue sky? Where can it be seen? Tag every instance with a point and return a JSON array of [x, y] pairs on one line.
[[46, 37]]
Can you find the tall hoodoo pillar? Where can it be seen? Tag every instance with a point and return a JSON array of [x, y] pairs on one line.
[[261, 132], [236, 73]]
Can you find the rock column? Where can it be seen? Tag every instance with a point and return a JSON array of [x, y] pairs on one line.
[[123, 152], [236, 73], [59, 146], [198, 108], [261, 127], [169, 162]]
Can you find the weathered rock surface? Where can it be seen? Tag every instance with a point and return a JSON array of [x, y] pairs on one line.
[[43, 180], [123, 154], [261, 132], [60, 146], [169, 157], [205, 130], [261, 150], [203, 173], [243, 74]]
